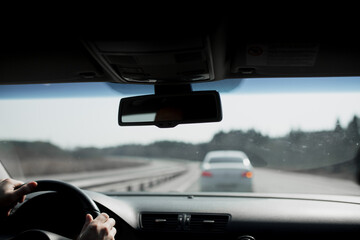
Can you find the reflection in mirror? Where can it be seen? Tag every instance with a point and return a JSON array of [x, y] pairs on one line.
[[141, 117]]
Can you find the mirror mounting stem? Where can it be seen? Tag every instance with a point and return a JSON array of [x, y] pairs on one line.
[[172, 89]]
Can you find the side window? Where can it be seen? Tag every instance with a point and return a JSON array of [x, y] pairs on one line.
[[3, 172]]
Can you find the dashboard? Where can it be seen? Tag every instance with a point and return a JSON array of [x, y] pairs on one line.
[[238, 216]]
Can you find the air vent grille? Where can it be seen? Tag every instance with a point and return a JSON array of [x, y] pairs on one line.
[[207, 222], [166, 222], [187, 222]]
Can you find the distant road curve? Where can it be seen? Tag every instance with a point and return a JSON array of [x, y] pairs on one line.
[[141, 178]]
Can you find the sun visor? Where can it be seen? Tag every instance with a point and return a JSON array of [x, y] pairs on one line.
[[295, 59]]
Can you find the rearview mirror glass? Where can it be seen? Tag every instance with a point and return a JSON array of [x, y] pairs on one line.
[[170, 110]]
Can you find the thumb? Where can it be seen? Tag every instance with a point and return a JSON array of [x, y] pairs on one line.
[[25, 189], [88, 220]]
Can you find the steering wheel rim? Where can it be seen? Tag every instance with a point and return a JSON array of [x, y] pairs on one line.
[[88, 205], [22, 221]]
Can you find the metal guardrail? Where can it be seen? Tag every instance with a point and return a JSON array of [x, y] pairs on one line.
[[140, 182], [123, 179]]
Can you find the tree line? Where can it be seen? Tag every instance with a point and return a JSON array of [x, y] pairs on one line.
[[323, 152]]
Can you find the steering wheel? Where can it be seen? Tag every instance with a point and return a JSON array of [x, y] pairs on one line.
[[88, 205], [57, 188]]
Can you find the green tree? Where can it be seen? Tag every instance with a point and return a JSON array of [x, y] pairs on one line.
[[352, 131]]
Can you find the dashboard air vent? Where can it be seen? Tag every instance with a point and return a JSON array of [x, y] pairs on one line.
[[208, 223], [166, 222]]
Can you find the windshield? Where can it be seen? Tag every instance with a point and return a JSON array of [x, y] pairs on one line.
[[300, 136]]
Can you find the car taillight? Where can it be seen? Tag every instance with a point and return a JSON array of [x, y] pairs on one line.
[[247, 174], [206, 174]]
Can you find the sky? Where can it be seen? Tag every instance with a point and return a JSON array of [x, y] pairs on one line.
[[246, 86], [91, 120]]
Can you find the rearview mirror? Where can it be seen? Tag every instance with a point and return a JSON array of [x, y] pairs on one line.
[[170, 110]]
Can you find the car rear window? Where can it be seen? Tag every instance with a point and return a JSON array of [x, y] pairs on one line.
[[226, 160]]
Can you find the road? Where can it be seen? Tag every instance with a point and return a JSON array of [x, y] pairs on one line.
[[272, 181], [183, 176], [266, 180]]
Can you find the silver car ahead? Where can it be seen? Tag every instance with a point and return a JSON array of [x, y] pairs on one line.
[[226, 171]]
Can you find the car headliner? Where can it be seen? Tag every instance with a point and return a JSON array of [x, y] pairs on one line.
[[63, 55]]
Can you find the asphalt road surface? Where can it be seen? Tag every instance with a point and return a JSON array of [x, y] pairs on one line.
[[274, 181], [271, 181]]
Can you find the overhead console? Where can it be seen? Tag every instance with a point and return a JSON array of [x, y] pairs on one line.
[[155, 61]]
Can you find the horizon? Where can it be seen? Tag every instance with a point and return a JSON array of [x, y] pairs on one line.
[[92, 122], [175, 141]]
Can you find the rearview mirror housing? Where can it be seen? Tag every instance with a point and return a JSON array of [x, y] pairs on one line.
[[167, 111]]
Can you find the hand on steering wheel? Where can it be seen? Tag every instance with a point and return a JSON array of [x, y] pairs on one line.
[[97, 226]]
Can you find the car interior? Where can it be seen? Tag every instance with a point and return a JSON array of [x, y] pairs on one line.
[[171, 61]]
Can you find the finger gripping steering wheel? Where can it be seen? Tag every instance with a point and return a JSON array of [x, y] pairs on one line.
[[61, 187], [25, 229]]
